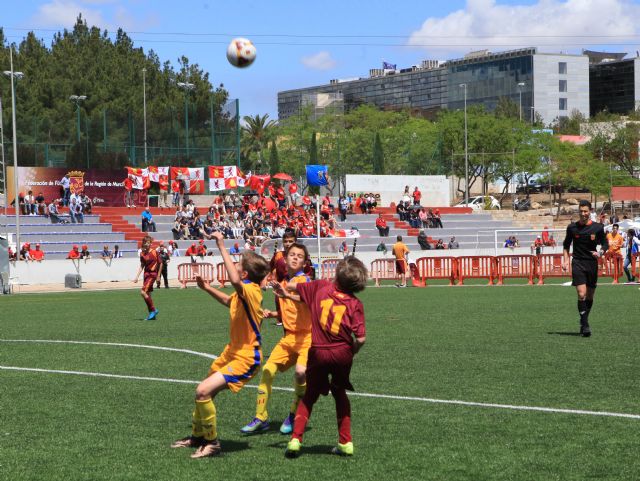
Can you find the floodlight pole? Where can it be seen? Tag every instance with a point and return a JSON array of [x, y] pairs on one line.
[[4, 166], [144, 108], [13, 74], [520, 85], [466, 149]]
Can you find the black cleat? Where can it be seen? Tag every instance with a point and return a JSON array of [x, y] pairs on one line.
[[585, 331]]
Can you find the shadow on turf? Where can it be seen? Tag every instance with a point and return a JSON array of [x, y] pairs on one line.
[[230, 446], [564, 333], [312, 449]]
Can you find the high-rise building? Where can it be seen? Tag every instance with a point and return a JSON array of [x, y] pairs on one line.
[[614, 82], [548, 85]]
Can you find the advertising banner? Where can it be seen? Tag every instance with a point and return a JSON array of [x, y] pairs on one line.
[[104, 187]]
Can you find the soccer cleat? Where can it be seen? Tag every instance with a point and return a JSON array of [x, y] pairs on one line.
[[208, 450], [255, 426], [293, 448], [343, 449], [287, 424], [585, 330], [188, 442], [152, 315]]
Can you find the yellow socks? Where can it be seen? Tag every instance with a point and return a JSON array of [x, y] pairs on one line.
[[264, 390], [206, 413], [196, 425], [299, 394]]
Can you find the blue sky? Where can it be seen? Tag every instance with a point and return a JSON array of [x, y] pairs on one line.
[[308, 43]]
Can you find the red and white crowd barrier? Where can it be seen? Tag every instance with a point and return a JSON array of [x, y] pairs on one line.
[[515, 266], [437, 268], [328, 268], [189, 271]]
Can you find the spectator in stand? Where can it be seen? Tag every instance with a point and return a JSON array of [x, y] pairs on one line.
[[84, 252], [382, 247], [106, 253], [632, 245], [164, 257], [21, 205], [406, 196], [453, 243], [548, 239], [371, 203], [13, 256], [401, 211], [280, 195], [417, 195], [537, 245], [437, 219], [175, 188], [87, 205], [343, 206], [52, 212], [128, 192], [293, 193], [172, 248], [202, 249], [440, 244], [424, 219], [414, 218], [37, 255], [74, 253], [234, 252], [423, 241], [148, 224], [30, 204], [25, 252], [511, 242], [163, 188], [41, 205], [117, 253], [381, 225], [614, 218], [192, 252], [75, 212], [65, 183]]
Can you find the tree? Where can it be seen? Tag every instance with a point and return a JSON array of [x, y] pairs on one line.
[[508, 109], [313, 150], [257, 132], [569, 125], [378, 156], [274, 160]]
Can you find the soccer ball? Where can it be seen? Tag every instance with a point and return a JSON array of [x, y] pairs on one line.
[[241, 52]]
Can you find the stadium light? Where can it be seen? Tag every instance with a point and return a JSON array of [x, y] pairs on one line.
[[520, 85], [77, 99], [14, 75], [144, 108], [466, 149], [188, 87]]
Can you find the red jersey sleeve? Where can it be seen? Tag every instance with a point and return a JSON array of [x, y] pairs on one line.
[[308, 290], [357, 320]]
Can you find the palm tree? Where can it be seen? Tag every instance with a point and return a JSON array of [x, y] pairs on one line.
[[256, 134]]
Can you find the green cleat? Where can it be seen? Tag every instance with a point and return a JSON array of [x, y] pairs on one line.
[[293, 448], [343, 449]]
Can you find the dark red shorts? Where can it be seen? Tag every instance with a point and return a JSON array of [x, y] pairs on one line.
[[401, 267], [335, 362], [149, 280]]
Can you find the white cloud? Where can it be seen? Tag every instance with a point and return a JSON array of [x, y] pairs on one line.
[[319, 61], [551, 25], [63, 13]]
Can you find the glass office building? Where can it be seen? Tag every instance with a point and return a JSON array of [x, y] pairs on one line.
[[615, 86], [423, 90], [541, 84]]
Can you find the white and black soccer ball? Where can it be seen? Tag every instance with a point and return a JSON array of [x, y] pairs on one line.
[[241, 52]]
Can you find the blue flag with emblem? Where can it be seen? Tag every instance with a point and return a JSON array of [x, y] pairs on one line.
[[317, 175]]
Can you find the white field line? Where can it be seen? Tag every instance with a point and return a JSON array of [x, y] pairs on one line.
[[369, 395]]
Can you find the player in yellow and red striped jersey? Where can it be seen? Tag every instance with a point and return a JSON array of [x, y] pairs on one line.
[[241, 358]]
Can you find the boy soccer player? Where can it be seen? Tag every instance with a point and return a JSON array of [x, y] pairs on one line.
[[149, 263], [292, 350], [279, 267], [338, 332], [585, 235], [241, 358], [400, 251]]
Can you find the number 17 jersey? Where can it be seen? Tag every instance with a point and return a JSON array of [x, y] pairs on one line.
[[335, 315]]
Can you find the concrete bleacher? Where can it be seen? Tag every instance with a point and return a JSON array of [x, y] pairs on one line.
[[56, 240], [472, 231]]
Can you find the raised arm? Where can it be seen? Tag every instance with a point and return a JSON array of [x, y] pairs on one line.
[[234, 277]]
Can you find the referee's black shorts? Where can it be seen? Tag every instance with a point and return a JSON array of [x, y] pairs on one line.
[[584, 272]]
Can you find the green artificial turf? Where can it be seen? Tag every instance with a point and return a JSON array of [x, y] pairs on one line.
[[510, 345]]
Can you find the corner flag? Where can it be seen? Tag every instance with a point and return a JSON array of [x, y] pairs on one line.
[[317, 175]]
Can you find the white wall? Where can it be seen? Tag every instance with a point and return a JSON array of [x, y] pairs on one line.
[[436, 189], [546, 93]]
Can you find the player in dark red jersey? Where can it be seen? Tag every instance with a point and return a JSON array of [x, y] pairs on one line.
[[151, 264], [337, 333], [585, 235]]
